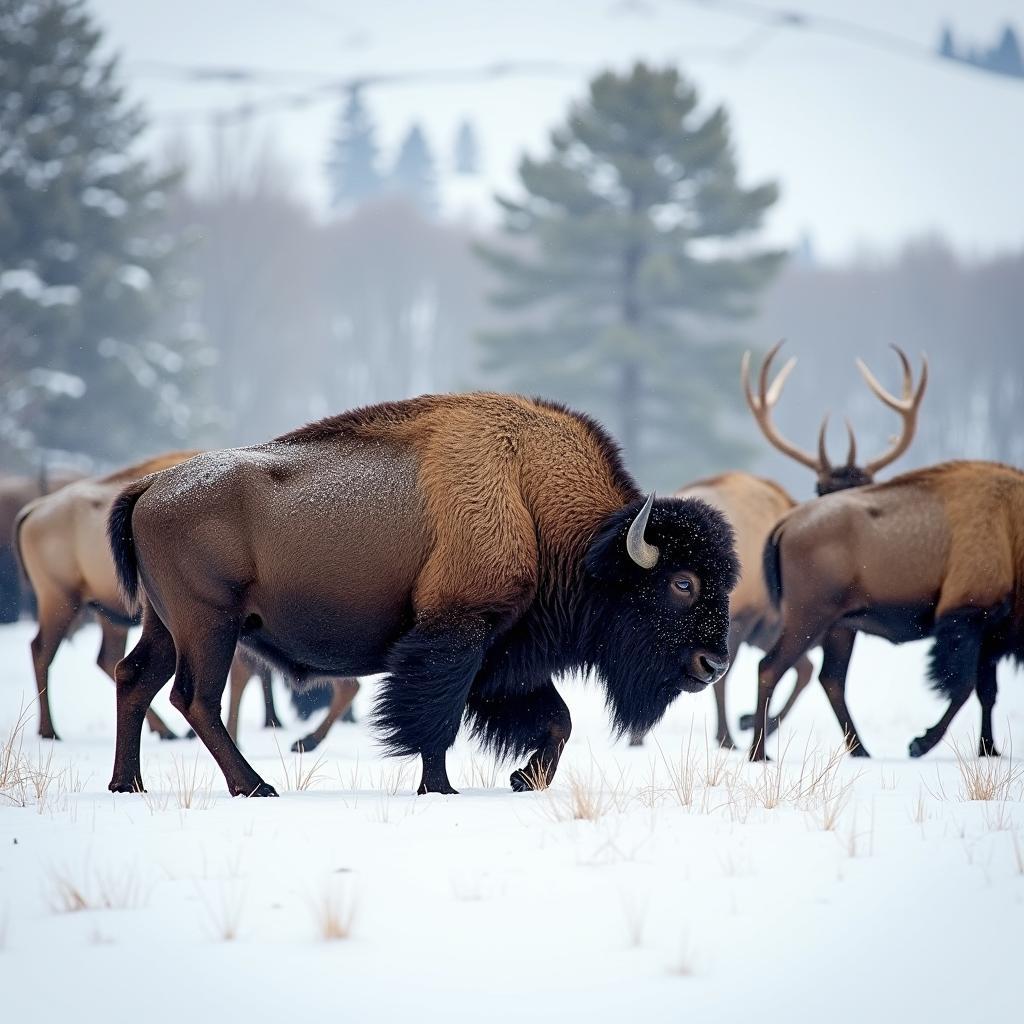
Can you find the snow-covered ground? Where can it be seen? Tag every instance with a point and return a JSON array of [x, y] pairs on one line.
[[731, 902]]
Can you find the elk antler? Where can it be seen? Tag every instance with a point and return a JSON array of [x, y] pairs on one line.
[[906, 406], [762, 404], [851, 451]]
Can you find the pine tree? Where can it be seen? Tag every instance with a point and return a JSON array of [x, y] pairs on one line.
[[90, 361], [631, 254], [947, 46], [352, 164], [415, 172], [467, 150]]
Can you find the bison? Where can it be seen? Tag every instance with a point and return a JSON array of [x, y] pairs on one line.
[[469, 546], [935, 552]]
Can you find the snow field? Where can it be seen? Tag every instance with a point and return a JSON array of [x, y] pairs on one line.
[[666, 883]]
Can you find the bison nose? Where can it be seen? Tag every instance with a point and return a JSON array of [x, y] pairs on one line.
[[708, 668]]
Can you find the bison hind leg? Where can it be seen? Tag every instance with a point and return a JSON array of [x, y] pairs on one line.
[[512, 725]]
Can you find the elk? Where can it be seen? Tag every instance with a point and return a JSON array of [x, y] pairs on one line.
[[935, 552], [15, 493], [60, 542], [753, 505], [471, 546]]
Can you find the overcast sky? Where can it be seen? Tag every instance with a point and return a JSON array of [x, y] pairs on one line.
[[871, 144]]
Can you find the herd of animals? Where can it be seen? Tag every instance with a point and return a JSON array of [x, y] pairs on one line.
[[474, 547]]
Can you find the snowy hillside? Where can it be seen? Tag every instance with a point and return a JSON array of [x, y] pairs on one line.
[[656, 884]]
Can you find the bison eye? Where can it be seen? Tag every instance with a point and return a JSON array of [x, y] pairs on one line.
[[685, 587]]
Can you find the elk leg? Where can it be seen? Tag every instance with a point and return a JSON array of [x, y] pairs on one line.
[[774, 665], [112, 647], [344, 693], [954, 669], [725, 740], [199, 678], [804, 674], [536, 722], [238, 678], [837, 651], [56, 613], [420, 705], [270, 719], [138, 678], [986, 690]]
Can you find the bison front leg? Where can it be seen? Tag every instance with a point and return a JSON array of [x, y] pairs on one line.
[[420, 705], [514, 725]]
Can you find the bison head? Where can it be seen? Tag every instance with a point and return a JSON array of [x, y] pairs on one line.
[[660, 577]]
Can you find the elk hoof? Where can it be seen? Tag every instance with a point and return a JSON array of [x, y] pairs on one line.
[[273, 723], [859, 751], [726, 742], [988, 750], [917, 747], [746, 722], [304, 745], [166, 734]]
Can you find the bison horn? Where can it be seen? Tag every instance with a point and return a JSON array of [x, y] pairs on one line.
[[645, 555]]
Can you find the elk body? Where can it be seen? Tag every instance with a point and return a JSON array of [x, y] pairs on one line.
[[936, 552], [471, 546], [60, 540], [753, 505], [15, 493]]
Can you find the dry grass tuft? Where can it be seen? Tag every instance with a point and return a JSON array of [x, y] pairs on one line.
[[109, 889], [225, 916], [482, 773], [191, 790], [32, 781], [988, 778], [634, 913], [684, 965], [334, 912], [589, 797], [300, 777]]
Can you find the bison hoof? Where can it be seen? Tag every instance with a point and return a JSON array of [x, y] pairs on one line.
[[636, 741], [445, 789], [988, 750], [917, 747], [49, 734], [520, 782], [859, 751], [262, 789], [126, 787], [303, 746]]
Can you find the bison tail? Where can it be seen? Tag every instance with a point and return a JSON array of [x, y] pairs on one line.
[[122, 546], [771, 566]]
